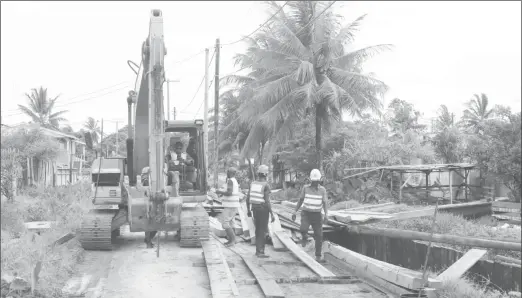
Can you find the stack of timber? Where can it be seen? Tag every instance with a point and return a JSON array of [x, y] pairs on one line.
[[509, 211], [194, 226]]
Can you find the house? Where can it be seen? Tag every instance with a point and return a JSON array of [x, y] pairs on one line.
[[66, 167]]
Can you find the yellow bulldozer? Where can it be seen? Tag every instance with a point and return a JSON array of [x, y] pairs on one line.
[[149, 189]]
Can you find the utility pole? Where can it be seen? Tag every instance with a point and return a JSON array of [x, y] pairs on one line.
[[205, 113], [168, 99], [216, 115], [117, 138]]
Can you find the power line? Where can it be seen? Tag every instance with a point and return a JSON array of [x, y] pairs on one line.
[[266, 22], [201, 105], [74, 102], [201, 83], [234, 42], [190, 57], [81, 95]]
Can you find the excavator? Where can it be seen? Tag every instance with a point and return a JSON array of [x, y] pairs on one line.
[[144, 190]]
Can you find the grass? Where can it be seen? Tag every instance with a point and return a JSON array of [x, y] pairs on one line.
[[465, 288], [457, 225], [22, 249]]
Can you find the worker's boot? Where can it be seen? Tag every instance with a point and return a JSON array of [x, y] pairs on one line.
[[304, 241], [231, 237], [261, 255], [320, 259]]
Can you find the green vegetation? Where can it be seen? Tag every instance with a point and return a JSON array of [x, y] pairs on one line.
[[22, 249], [449, 224]]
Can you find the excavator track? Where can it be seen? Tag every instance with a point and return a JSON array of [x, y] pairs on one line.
[[195, 226], [96, 230]]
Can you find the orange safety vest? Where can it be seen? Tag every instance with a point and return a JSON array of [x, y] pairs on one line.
[[313, 201], [257, 196], [233, 200]]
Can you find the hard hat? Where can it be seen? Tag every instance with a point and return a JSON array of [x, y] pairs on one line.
[[262, 170], [232, 170], [315, 175]]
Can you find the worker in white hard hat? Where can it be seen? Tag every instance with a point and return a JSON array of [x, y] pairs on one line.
[[259, 198], [313, 198], [230, 205]]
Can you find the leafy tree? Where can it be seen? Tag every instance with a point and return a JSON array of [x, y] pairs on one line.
[[402, 116], [498, 150], [91, 125], [41, 109], [476, 113], [449, 141], [445, 119], [301, 68]]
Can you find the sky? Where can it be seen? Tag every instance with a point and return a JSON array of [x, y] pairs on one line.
[[445, 51]]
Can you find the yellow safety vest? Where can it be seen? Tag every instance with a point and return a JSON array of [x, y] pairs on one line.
[[257, 196], [233, 200], [313, 201]]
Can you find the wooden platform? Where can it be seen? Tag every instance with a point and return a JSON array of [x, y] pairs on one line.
[[283, 274]]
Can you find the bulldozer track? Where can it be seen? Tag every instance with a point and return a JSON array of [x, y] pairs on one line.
[[96, 230]]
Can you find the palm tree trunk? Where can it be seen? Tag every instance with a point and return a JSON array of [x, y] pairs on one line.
[[319, 137]]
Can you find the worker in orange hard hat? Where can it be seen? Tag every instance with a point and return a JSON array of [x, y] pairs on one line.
[[314, 198], [230, 205], [259, 198]]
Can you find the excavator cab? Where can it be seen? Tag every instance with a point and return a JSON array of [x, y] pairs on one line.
[[189, 159]]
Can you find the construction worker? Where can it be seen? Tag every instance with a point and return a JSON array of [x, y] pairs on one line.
[[230, 202], [259, 198], [313, 198]]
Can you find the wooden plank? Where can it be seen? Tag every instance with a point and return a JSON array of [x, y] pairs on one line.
[[462, 265], [265, 280], [303, 256], [222, 285], [436, 238], [250, 223], [366, 207], [244, 223], [400, 276], [276, 227], [507, 205]]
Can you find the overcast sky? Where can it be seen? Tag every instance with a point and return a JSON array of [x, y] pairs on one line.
[[445, 51]]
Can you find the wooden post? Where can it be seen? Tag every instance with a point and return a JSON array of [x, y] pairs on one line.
[[427, 184], [216, 116], [400, 189], [466, 173], [391, 181], [450, 186], [205, 117]]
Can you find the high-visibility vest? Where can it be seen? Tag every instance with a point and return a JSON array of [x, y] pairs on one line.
[[233, 200], [257, 196], [313, 201]]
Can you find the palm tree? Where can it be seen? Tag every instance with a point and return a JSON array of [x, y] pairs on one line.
[[92, 127], [477, 111], [301, 67], [445, 119], [40, 109]]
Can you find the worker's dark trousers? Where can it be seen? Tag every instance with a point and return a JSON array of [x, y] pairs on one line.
[[315, 219], [261, 222]]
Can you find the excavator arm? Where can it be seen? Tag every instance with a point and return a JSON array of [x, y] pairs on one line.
[[149, 111]]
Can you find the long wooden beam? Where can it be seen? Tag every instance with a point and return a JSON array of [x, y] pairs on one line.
[[222, 284], [303, 256], [437, 238], [462, 265], [403, 277]]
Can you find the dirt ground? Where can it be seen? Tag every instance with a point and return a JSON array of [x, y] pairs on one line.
[[131, 270]]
